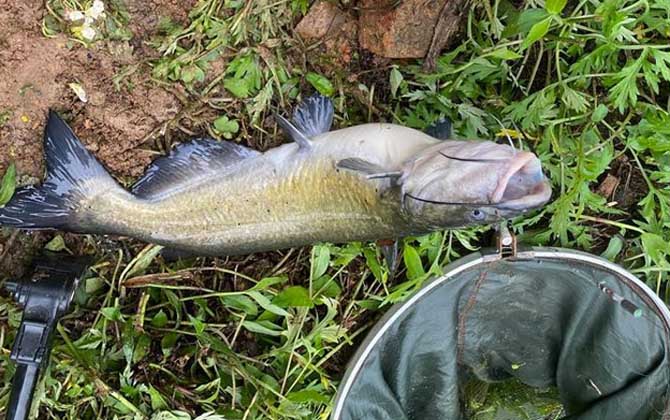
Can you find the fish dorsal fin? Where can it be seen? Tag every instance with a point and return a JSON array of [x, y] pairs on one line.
[[294, 133], [440, 129], [369, 169], [314, 115], [195, 159]]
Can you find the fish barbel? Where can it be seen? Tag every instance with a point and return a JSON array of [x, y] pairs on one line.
[[207, 197]]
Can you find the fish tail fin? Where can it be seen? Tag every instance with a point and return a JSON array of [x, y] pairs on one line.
[[73, 174]]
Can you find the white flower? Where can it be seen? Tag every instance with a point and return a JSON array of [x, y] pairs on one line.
[[87, 32], [97, 9], [75, 15]]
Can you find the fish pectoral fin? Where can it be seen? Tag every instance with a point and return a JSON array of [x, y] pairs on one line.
[[314, 115], [371, 170], [197, 158], [440, 129], [294, 133]]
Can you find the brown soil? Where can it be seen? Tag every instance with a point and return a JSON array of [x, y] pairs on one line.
[[114, 124]]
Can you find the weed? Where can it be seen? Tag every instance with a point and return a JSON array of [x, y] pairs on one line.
[[585, 85]]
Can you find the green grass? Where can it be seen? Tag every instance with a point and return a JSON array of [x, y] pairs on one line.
[[584, 85]]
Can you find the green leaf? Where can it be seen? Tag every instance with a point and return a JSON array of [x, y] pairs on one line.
[[413, 262], [141, 347], [111, 313], [326, 286], [168, 342], [613, 248], [268, 282], [198, 325], [262, 327], [373, 264], [537, 32], [265, 303], [527, 19], [625, 92], [599, 113], [241, 303], [142, 261], [294, 296], [171, 415], [574, 100], [321, 84], [8, 185], [395, 79], [192, 74], [656, 247], [506, 54], [555, 6], [57, 244], [226, 126], [93, 284], [237, 87], [157, 400], [320, 261], [159, 320], [308, 396]]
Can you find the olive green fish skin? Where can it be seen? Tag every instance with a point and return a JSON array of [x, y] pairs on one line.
[[283, 198]]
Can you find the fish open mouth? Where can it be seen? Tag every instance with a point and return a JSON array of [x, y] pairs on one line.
[[523, 185]]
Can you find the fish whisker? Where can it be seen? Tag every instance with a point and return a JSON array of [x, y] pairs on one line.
[[473, 160], [452, 203]]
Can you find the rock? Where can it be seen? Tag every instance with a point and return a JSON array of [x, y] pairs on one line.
[[608, 186], [337, 29], [324, 18], [404, 31]]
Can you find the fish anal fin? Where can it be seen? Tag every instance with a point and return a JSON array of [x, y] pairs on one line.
[[197, 158], [314, 115], [389, 249]]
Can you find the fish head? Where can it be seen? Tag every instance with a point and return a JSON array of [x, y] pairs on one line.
[[460, 183]]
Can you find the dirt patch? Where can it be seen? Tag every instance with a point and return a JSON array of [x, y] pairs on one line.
[[36, 76], [118, 119]]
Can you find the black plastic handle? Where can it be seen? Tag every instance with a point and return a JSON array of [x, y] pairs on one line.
[[23, 387], [45, 297]]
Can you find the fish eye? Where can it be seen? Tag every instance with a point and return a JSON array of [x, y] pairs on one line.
[[477, 214]]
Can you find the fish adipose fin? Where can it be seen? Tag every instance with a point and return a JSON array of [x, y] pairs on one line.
[[369, 169], [72, 175], [440, 129], [188, 161], [314, 115]]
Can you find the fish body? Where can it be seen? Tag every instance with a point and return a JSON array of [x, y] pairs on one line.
[[220, 198], [282, 198]]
